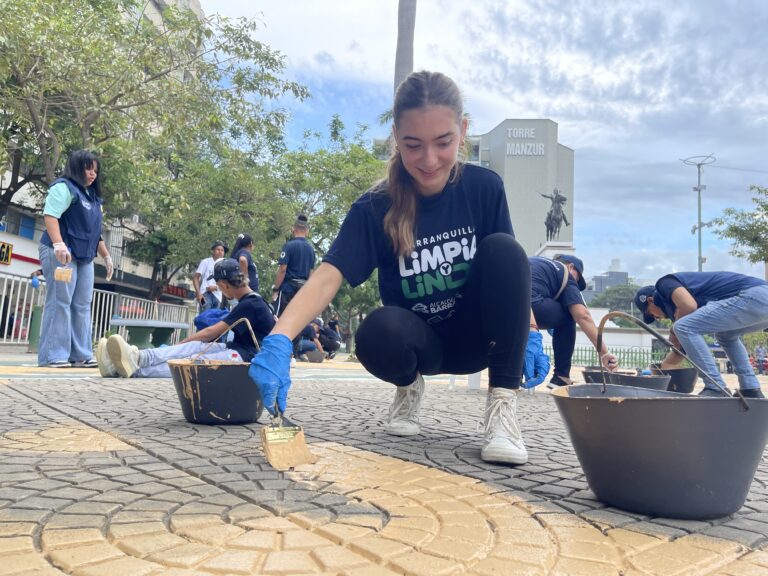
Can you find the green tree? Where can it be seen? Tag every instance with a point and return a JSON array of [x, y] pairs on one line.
[[324, 177], [748, 229], [99, 74], [618, 299]]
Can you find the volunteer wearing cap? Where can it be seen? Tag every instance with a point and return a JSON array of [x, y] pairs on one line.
[[723, 304], [297, 259], [557, 304], [119, 358], [207, 293]]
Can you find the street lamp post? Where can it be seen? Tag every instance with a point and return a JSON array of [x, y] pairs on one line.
[[699, 162]]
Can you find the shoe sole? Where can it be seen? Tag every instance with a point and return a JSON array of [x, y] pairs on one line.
[[502, 458], [401, 432], [122, 365], [101, 353]]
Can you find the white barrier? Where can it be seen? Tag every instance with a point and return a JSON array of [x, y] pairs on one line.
[[18, 299]]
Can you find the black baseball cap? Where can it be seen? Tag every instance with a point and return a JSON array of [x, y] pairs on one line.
[[220, 243], [227, 269], [578, 264], [641, 301]]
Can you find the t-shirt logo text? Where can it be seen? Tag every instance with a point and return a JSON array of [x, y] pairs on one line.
[[437, 268]]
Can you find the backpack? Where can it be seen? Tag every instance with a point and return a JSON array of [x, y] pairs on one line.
[[210, 317]]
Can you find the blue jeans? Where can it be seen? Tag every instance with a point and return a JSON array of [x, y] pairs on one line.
[[65, 333], [210, 302], [726, 320]]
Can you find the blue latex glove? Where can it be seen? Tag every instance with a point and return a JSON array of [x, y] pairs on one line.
[[35, 282], [270, 370], [536, 365]]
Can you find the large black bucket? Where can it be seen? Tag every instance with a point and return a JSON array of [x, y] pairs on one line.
[[681, 379], [662, 453], [658, 382], [597, 376], [216, 392]]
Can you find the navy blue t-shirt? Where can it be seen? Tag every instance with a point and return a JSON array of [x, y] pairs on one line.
[[308, 333], [704, 287], [546, 279], [259, 316], [448, 229], [253, 275], [299, 258]]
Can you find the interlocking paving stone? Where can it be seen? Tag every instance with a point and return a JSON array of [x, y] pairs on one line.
[[171, 497]]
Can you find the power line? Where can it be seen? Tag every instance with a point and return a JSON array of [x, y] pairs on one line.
[[740, 169]]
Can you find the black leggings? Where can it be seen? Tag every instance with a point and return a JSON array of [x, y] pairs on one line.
[[550, 313], [489, 327]]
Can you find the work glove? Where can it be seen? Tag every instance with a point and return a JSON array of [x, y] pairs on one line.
[[61, 252], [270, 370], [536, 366], [109, 266]]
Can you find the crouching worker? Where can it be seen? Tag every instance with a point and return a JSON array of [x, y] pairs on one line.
[[724, 304], [118, 358]]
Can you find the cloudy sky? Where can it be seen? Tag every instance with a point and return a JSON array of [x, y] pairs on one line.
[[634, 86]]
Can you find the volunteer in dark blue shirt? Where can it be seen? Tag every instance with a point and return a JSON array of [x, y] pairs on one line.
[[723, 304], [71, 241], [297, 259], [454, 282], [557, 304], [242, 253], [118, 358]]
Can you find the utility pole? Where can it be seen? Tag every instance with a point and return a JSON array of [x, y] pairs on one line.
[[699, 162]]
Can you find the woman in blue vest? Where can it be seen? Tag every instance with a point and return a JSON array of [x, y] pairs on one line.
[[71, 241]]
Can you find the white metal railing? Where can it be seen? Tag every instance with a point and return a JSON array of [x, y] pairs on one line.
[[18, 298]]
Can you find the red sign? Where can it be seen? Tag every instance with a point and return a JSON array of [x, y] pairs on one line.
[[176, 291]]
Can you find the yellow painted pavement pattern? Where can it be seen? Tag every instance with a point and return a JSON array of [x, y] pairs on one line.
[[438, 523]]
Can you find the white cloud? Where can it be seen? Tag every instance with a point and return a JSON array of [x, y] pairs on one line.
[[634, 85]]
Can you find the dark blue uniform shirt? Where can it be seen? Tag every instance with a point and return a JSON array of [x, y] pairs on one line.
[[448, 227]]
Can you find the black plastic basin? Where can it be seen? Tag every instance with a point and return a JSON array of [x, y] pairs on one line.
[[662, 453], [216, 392], [658, 382], [681, 379]]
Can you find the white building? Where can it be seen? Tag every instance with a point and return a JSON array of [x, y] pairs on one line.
[[538, 177]]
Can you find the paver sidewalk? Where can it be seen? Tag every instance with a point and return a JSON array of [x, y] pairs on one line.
[[104, 477]]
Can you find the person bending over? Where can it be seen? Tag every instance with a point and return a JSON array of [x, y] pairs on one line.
[[557, 304], [724, 304]]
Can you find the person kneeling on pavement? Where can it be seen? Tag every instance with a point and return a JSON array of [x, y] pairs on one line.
[[118, 358]]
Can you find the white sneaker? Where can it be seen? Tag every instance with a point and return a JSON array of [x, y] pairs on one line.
[[403, 418], [503, 440], [106, 366], [124, 357]]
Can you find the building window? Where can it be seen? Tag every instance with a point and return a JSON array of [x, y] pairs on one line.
[[27, 227]]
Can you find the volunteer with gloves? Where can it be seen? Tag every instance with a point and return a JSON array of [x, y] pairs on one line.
[[537, 363], [557, 304], [454, 282], [72, 239]]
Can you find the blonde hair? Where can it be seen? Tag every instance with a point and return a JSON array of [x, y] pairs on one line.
[[418, 90]]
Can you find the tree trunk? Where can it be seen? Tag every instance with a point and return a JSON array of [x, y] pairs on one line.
[[406, 25]]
